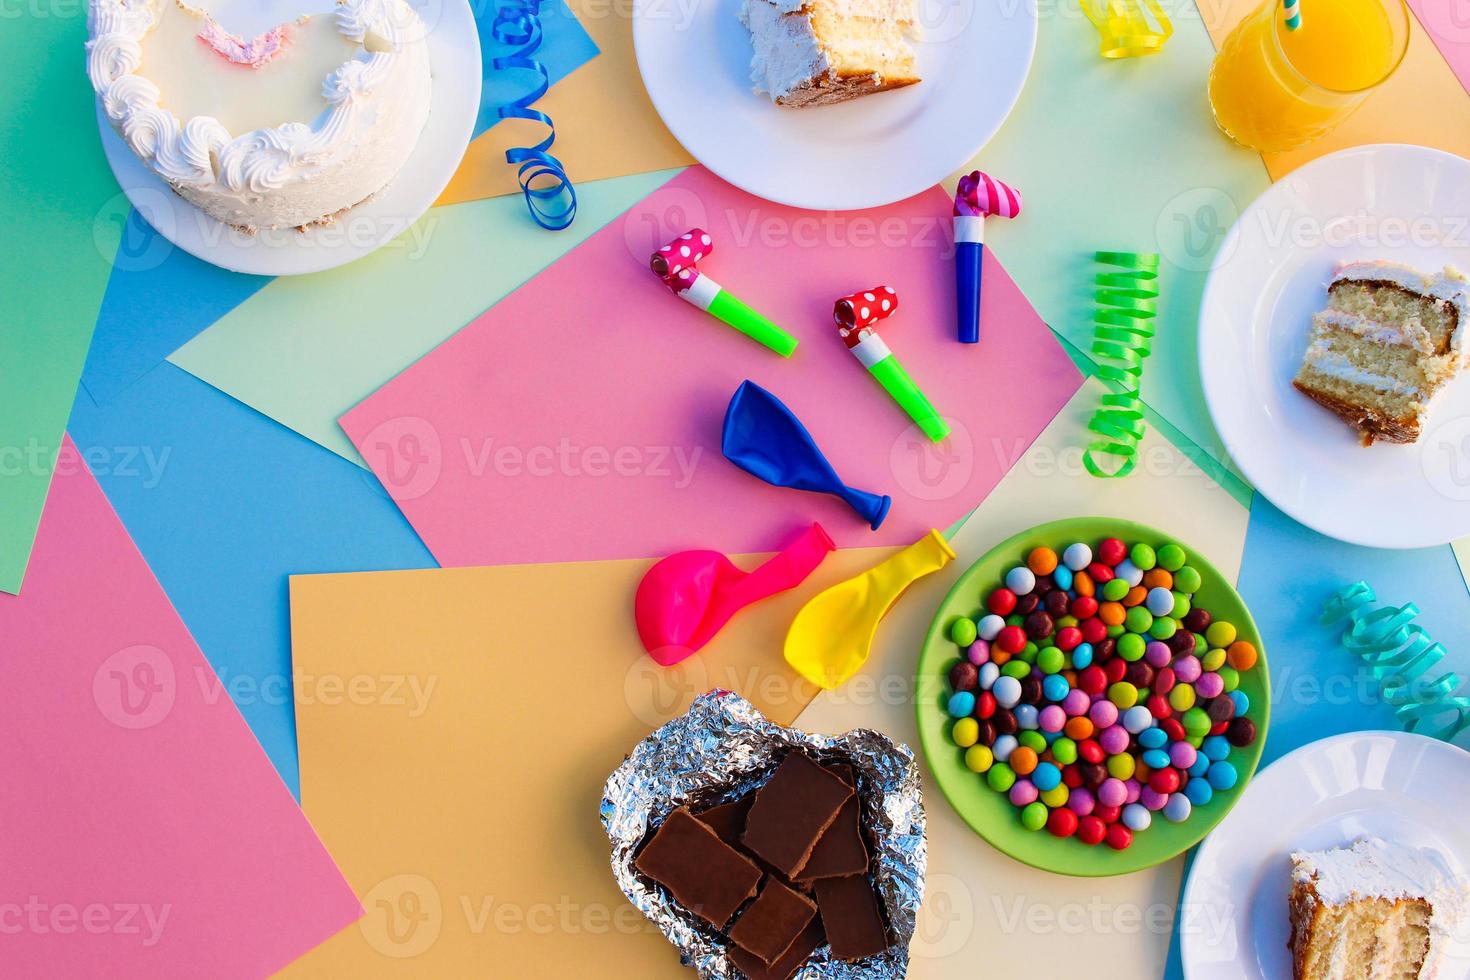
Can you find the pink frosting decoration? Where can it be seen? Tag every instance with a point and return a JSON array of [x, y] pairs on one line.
[[254, 53], [856, 314], [677, 262], [980, 195]]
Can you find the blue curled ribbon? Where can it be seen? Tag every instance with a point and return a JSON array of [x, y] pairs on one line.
[[549, 194], [1398, 653]]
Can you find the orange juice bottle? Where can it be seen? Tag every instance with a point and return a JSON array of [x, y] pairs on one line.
[[1273, 88]]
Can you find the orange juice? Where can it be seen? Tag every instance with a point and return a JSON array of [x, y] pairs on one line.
[[1272, 88]]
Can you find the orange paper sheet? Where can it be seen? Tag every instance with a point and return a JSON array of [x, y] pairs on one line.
[[1422, 103], [456, 728], [605, 125]]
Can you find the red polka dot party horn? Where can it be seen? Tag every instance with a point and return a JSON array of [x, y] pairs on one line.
[[977, 196], [677, 264], [855, 316]]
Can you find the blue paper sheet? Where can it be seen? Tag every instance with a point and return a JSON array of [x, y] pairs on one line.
[[224, 504], [1317, 688], [159, 296]]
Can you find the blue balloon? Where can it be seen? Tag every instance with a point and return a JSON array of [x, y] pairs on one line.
[[763, 438]]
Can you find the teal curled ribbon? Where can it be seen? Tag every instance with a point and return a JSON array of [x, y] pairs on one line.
[[549, 194], [1126, 302], [1398, 654]]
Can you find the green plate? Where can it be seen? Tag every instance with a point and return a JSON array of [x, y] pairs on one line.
[[990, 813]]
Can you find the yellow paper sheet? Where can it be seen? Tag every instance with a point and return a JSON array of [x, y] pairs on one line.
[[456, 727], [605, 125], [1422, 103], [981, 907]]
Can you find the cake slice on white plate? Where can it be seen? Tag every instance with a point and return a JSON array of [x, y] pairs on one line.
[[281, 130], [817, 52], [1390, 338], [1371, 911]]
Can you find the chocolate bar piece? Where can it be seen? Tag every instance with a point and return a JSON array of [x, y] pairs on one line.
[[791, 811], [703, 873], [790, 961], [841, 850], [771, 923], [851, 917], [728, 819]]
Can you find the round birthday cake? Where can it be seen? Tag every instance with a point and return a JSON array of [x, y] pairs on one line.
[[281, 130]]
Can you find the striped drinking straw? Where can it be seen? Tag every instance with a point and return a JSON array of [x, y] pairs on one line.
[[1293, 13]]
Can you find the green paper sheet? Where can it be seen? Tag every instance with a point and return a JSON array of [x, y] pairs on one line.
[[1121, 156], [305, 349], [62, 213]]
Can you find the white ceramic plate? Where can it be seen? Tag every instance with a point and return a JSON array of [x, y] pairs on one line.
[[1408, 789], [454, 58], [695, 60], [1400, 203]]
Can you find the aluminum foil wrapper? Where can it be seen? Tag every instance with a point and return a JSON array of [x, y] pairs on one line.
[[718, 751]]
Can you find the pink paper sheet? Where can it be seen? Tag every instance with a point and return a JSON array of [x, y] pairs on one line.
[[1447, 22], [579, 418], [146, 833]]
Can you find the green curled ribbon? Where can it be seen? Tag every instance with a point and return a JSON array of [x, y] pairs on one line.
[[1398, 654], [1123, 331]]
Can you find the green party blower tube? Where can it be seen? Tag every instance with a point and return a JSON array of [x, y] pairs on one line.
[[676, 264], [855, 316]]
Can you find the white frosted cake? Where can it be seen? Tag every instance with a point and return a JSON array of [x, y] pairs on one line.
[[1371, 911], [282, 130], [816, 52]]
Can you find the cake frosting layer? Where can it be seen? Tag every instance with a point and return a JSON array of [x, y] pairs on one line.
[[279, 131]]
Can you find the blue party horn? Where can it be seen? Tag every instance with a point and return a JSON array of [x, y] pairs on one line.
[[977, 196]]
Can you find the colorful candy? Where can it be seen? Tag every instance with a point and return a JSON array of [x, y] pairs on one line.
[[1093, 690]]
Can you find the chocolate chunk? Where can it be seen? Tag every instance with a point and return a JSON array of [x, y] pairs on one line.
[[1242, 732], [728, 819], [791, 811], [964, 676], [1220, 709], [771, 923], [703, 873], [841, 851], [851, 917], [790, 961], [1026, 604]]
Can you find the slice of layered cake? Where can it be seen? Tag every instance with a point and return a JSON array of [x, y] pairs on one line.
[[1390, 337], [1370, 911], [817, 52]]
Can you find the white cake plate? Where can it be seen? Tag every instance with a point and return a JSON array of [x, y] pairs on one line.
[[454, 59], [695, 59], [1407, 789], [1406, 204]]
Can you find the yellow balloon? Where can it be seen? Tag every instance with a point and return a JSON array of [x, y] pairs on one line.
[[830, 637]]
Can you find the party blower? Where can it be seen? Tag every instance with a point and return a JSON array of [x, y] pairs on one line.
[[764, 438], [685, 599], [977, 196], [677, 265], [831, 636], [855, 316]]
